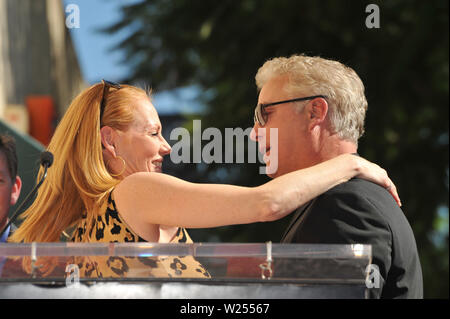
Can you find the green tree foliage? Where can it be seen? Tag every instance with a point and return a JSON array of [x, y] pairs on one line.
[[219, 45]]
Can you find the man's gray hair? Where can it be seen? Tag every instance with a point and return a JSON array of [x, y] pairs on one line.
[[308, 76]]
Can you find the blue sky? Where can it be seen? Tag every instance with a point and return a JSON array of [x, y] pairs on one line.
[[98, 61], [94, 49]]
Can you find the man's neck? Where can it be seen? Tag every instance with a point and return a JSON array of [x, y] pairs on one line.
[[336, 148], [325, 144], [321, 152]]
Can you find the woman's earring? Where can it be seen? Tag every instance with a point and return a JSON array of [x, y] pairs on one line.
[[124, 166]]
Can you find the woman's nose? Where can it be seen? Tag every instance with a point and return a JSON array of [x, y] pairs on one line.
[[165, 147]]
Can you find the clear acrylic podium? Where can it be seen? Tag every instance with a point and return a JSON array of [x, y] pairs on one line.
[[159, 271]]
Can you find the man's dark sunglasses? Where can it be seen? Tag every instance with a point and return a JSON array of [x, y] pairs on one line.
[[261, 115], [106, 86]]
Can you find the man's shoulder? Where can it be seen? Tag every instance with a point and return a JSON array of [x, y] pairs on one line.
[[357, 191], [359, 186], [351, 202], [362, 205], [359, 211]]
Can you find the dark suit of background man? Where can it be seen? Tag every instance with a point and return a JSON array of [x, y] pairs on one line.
[[328, 123]]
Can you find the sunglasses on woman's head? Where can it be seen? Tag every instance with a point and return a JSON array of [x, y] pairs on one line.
[[261, 115], [106, 86]]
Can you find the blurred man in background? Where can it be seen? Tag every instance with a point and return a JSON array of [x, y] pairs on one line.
[[10, 183]]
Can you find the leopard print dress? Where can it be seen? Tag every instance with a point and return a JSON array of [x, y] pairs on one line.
[[111, 228]]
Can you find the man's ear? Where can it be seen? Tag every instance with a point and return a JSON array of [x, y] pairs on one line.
[[108, 136], [317, 111], [15, 190]]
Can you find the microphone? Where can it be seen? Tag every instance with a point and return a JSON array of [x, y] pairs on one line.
[[46, 159], [46, 162]]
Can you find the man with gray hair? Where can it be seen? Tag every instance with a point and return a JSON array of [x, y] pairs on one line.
[[317, 107]]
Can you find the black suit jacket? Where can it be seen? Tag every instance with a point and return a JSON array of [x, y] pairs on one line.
[[361, 212]]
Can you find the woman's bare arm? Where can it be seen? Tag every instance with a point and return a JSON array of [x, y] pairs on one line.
[[165, 200]]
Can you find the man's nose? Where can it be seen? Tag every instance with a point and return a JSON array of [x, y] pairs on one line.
[[254, 132]]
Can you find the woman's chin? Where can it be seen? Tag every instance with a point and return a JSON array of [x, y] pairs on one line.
[[156, 169]]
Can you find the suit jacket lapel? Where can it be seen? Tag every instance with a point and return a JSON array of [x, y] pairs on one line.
[[300, 211]]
